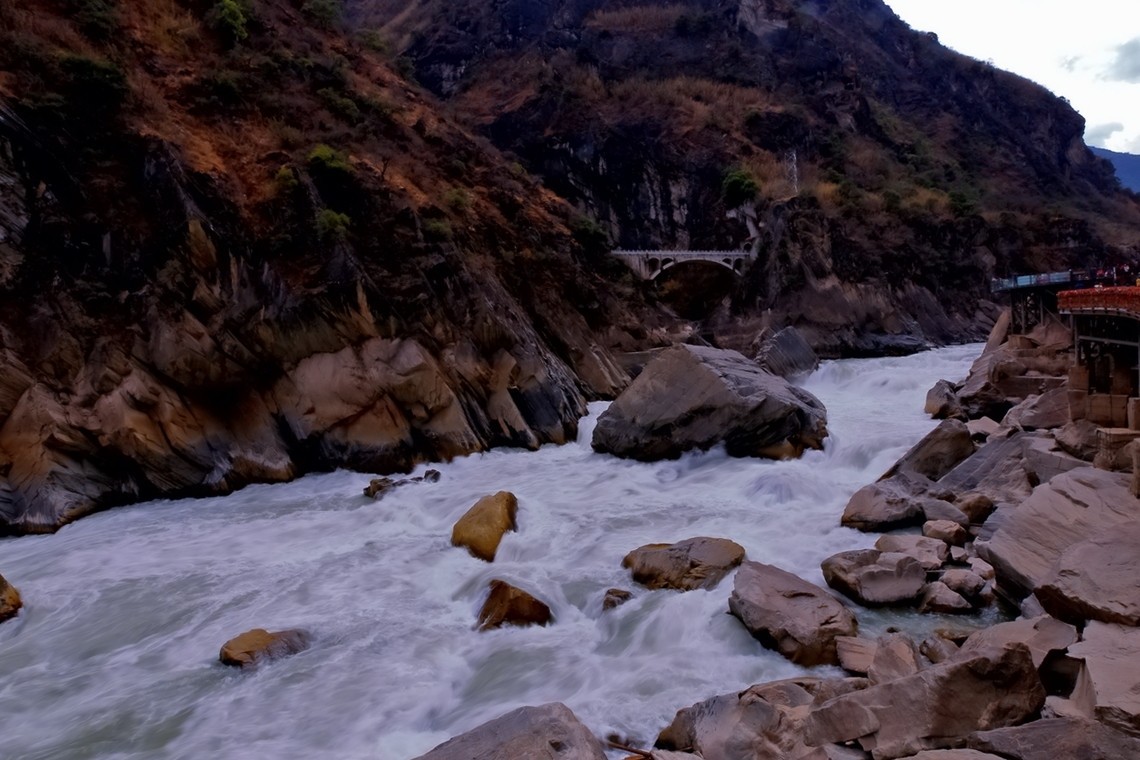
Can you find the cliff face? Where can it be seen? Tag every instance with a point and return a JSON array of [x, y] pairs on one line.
[[231, 258], [895, 176]]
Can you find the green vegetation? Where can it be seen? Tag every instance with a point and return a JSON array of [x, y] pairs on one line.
[[739, 187], [328, 160], [332, 227], [590, 235], [326, 13], [457, 199], [229, 19], [286, 179], [437, 229], [375, 42], [342, 106]]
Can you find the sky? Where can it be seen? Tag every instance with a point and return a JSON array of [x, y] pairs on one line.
[[1086, 51]]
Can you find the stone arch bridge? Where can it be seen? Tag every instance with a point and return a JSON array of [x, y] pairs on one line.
[[649, 264]]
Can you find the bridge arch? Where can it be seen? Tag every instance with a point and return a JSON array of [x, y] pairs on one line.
[[650, 264]]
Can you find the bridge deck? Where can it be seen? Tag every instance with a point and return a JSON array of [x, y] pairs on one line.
[[1123, 301]]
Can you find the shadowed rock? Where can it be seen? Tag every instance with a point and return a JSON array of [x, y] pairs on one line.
[[547, 732], [692, 397], [508, 605], [686, 565], [787, 354], [942, 401], [938, 453], [251, 648], [798, 619]]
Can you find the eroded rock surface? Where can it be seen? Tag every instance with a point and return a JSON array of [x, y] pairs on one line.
[[508, 605], [875, 578], [686, 565], [1057, 738], [250, 649], [547, 732], [481, 529], [10, 602]]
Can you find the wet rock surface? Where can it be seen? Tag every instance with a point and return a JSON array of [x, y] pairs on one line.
[[10, 602], [257, 646], [508, 605], [686, 565], [481, 528]]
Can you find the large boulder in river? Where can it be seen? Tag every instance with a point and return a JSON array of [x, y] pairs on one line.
[[1108, 684], [895, 502], [686, 565], [693, 397], [942, 401], [1097, 578], [251, 648], [10, 601], [508, 605], [1041, 634], [482, 527], [547, 732], [798, 619], [1070, 509], [763, 721], [875, 578], [938, 453], [787, 354], [935, 708]]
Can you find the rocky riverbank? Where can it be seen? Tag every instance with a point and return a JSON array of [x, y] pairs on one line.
[[1005, 510]]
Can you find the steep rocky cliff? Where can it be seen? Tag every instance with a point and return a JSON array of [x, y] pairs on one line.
[[240, 248], [895, 176]]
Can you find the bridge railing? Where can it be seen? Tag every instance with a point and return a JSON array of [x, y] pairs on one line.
[[1079, 278], [1115, 299]]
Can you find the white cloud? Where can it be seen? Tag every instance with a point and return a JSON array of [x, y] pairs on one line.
[[1126, 66], [1101, 133]]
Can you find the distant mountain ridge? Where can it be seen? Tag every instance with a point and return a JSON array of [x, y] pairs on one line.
[[1127, 166]]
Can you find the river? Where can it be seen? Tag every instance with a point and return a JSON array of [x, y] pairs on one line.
[[115, 653]]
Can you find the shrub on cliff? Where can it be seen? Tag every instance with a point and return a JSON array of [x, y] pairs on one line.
[[229, 19], [739, 187], [324, 12]]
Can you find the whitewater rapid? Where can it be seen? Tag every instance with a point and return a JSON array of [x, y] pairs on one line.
[[115, 653]]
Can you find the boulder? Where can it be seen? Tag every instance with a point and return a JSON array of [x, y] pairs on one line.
[[1041, 635], [982, 428], [942, 401], [886, 505], [938, 597], [1096, 579], [786, 613], [976, 506], [935, 708], [1078, 438], [1108, 683], [964, 582], [1066, 511], [930, 552], [481, 529], [763, 721], [1045, 412], [1057, 739], [686, 565], [378, 488], [896, 656], [547, 732], [615, 597], [938, 453], [938, 649], [855, 653], [253, 647], [787, 354], [695, 397], [947, 531], [940, 510], [953, 754], [875, 578], [508, 605], [10, 602]]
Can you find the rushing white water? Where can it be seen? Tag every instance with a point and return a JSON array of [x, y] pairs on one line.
[[115, 653]]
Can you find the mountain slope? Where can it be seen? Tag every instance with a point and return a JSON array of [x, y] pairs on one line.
[[1127, 166], [895, 176], [236, 246]]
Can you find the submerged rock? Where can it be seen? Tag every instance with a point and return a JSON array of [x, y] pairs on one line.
[[508, 605], [693, 397], [686, 565], [481, 529], [378, 488], [615, 597], [251, 648], [10, 602], [798, 619], [547, 732]]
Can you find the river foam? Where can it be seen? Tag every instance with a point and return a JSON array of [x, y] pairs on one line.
[[115, 653]]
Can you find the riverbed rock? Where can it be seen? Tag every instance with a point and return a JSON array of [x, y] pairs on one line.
[[787, 354], [1057, 739], [938, 597], [1041, 635], [546, 732], [948, 531], [889, 504], [942, 401], [378, 488], [875, 578], [1044, 412], [798, 619], [256, 646], [930, 552], [964, 582], [10, 602], [953, 754], [1079, 438], [896, 656], [615, 597], [482, 527], [1096, 579], [1108, 684], [763, 721], [508, 605], [856, 653], [938, 452], [935, 708], [686, 565], [976, 506], [695, 397], [1067, 510]]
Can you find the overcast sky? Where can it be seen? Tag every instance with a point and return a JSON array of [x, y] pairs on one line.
[[1086, 51]]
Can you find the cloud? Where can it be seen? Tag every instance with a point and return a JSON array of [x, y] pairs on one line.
[[1126, 66], [1069, 62], [1133, 146], [1102, 133]]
